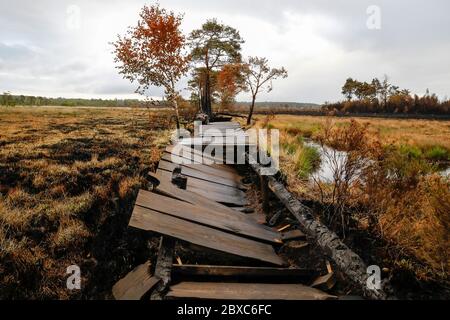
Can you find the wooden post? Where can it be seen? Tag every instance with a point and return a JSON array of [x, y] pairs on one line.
[[163, 268], [264, 193], [179, 179]]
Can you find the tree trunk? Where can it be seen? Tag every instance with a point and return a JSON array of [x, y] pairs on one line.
[[252, 107], [208, 107], [206, 103], [205, 95], [177, 113]]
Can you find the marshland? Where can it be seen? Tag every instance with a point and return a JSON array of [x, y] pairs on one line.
[[91, 95]]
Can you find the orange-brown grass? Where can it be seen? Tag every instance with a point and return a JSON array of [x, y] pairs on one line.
[[423, 134], [68, 177], [400, 203]]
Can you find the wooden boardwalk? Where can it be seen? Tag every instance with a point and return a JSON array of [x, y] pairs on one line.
[[206, 212]]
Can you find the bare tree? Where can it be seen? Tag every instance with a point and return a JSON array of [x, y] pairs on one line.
[[259, 76]]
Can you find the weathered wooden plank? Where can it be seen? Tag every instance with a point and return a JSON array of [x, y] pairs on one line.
[[215, 142], [233, 176], [217, 193], [210, 128], [198, 155], [223, 162], [169, 189], [244, 273], [197, 174], [326, 282], [222, 132], [230, 125], [203, 184], [293, 235], [219, 197], [135, 284], [224, 123], [258, 217], [207, 162], [245, 291], [150, 220], [220, 127], [236, 223]]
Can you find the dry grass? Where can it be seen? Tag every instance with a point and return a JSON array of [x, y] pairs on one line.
[[401, 209], [423, 134], [67, 181]]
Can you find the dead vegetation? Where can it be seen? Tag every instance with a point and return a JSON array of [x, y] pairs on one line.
[[68, 177], [426, 139], [385, 201]]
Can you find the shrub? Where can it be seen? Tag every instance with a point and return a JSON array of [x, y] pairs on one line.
[[410, 151], [307, 161], [438, 153]]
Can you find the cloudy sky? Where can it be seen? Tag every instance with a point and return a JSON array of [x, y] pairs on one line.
[[61, 48]]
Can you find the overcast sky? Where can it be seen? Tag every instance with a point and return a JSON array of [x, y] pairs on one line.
[[48, 49]]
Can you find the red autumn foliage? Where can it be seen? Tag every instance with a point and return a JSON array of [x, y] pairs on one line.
[[153, 52], [229, 83]]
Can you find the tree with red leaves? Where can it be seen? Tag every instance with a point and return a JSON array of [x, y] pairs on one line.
[[230, 82], [153, 53]]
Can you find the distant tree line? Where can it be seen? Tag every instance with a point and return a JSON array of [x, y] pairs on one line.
[[384, 97], [7, 99]]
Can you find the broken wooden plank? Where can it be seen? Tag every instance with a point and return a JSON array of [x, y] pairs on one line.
[[329, 267], [223, 123], [245, 291], [284, 228], [245, 210], [233, 176], [136, 284], [297, 245], [220, 198], [205, 129], [163, 269], [235, 223], [198, 156], [325, 283], [149, 220], [211, 128], [258, 217], [191, 197], [211, 193], [224, 133], [198, 174], [204, 184], [293, 235], [244, 273], [217, 142]]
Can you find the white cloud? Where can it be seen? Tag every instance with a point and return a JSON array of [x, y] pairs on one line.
[[321, 43]]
